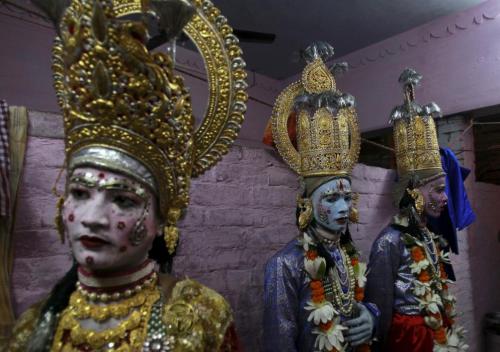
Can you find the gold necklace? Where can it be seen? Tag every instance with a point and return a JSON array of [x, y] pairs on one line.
[[84, 310], [128, 335]]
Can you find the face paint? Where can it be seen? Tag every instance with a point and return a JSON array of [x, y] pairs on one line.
[[89, 260], [331, 204], [105, 211], [71, 217], [435, 197]]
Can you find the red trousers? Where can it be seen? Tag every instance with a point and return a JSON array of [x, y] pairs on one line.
[[409, 333]]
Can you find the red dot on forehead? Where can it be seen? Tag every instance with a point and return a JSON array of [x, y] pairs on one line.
[[71, 217], [102, 175]]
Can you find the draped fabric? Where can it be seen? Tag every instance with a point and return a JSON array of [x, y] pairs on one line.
[[459, 214], [410, 334], [17, 137], [4, 160]]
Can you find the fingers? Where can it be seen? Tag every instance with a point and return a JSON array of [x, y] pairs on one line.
[[359, 339], [356, 321], [357, 330]]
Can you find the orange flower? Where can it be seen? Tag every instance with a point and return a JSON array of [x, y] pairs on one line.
[[359, 293], [318, 298], [354, 261], [417, 254], [424, 276], [311, 254], [363, 348], [440, 336], [326, 326], [318, 291], [315, 284]]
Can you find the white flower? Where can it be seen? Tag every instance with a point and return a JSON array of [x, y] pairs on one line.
[[307, 241], [321, 313], [431, 302], [315, 268], [334, 337], [420, 289], [417, 267], [445, 257], [360, 272], [456, 340]]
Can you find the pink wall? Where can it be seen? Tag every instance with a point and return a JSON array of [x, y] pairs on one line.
[[241, 212], [458, 55], [26, 77]]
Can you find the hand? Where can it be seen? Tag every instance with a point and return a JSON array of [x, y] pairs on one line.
[[360, 329]]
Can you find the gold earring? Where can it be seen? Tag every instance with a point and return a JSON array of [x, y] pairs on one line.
[[353, 212], [418, 198], [171, 232], [305, 209], [58, 219]]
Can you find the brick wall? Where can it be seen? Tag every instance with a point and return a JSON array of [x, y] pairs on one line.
[[241, 212]]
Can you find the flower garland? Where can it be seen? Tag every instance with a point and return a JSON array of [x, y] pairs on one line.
[[431, 290], [328, 328]]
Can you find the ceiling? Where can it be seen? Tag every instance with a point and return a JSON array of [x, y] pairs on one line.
[[346, 24]]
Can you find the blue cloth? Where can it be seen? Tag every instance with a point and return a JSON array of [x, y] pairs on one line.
[[460, 213]]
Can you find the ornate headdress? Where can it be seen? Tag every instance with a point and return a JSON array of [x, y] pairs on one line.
[[328, 138], [125, 109], [415, 138]]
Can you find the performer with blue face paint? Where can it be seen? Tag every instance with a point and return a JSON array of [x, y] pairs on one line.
[[314, 285]]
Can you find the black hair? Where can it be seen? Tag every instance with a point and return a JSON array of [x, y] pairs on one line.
[[159, 254], [407, 207]]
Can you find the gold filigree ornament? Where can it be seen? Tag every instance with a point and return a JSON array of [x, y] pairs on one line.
[[418, 198], [305, 212], [328, 142], [116, 94], [415, 135], [127, 335]]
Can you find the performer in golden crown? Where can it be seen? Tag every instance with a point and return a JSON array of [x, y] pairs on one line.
[[407, 277], [314, 285], [131, 150]]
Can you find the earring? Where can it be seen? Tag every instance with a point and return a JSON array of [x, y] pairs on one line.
[[58, 219], [353, 211], [305, 212], [171, 232], [418, 199]]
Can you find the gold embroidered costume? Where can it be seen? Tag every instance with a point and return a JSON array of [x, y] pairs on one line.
[[126, 111]]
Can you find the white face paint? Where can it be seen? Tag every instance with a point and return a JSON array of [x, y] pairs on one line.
[[110, 220], [331, 204], [435, 197]]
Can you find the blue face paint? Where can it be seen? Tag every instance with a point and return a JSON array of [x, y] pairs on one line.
[[332, 202]]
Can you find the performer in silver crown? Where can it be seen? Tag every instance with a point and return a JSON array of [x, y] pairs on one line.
[[314, 285], [407, 277]]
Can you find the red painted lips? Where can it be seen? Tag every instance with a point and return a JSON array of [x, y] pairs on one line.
[[91, 242]]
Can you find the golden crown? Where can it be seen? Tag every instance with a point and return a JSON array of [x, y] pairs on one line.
[[115, 94], [128, 7], [328, 138], [415, 137]]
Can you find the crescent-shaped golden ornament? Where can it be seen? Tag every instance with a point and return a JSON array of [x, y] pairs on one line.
[[226, 75], [283, 107]]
